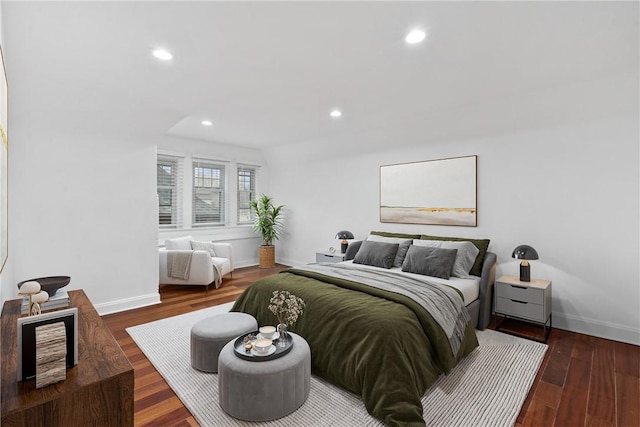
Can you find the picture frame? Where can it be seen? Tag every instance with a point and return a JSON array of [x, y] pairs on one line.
[[433, 192], [27, 339]]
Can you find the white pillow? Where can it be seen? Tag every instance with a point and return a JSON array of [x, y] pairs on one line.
[[203, 246], [402, 248], [179, 243], [466, 257]]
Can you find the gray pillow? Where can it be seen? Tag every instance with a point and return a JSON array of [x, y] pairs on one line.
[[429, 261], [203, 246], [377, 254], [402, 248], [467, 253]]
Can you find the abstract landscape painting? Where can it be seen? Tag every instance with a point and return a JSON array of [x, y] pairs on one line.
[[435, 192]]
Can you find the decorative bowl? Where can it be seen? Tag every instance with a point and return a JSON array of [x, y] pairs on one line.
[[50, 284]]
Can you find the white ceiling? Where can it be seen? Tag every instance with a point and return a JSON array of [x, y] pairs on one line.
[[267, 74]]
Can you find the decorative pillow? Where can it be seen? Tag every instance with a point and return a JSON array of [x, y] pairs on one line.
[[203, 246], [435, 262], [467, 253], [179, 244], [481, 244], [402, 248], [377, 254]]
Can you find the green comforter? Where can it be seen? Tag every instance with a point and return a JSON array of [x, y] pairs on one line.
[[378, 344]]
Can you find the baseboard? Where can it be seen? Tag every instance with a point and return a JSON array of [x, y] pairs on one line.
[[127, 304], [596, 328], [291, 263]]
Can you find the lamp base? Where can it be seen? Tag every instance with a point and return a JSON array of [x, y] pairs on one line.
[[343, 246], [525, 272]]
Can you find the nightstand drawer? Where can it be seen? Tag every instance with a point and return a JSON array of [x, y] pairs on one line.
[[520, 293], [519, 308], [329, 257]]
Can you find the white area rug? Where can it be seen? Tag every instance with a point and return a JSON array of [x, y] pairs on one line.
[[486, 389]]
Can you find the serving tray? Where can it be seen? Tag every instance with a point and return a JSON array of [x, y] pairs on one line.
[[238, 348]]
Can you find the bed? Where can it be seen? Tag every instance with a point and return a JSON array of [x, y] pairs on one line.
[[370, 334]]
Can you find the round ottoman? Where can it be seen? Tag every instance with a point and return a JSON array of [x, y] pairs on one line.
[[261, 391], [209, 335]]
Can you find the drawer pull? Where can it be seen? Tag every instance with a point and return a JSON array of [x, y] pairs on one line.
[[328, 256], [519, 287], [519, 302]]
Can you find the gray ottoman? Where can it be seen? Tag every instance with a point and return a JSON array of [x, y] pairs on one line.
[[261, 391], [209, 335]]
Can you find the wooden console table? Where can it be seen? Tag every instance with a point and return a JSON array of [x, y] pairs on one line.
[[97, 391]]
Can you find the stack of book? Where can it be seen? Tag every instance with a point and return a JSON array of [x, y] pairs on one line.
[[59, 300]]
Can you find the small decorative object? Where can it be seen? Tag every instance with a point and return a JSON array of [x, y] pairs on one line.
[[38, 299], [525, 253], [282, 334], [29, 289], [27, 339], [344, 235], [332, 250], [287, 308], [51, 354]]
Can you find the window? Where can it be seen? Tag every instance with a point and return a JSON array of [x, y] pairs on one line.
[[246, 193], [208, 193], [168, 187]]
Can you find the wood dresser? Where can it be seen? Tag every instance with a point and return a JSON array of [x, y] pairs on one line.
[[98, 391]]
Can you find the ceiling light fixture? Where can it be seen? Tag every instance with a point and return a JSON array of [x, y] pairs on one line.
[[207, 123], [162, 54], [335, 113], [415, 36]]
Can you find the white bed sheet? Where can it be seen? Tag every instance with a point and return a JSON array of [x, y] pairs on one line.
[[470, 288]]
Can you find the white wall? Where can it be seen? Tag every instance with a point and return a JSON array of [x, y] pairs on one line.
[[570, 192], [245, 242], [84, 206], [2, 274]]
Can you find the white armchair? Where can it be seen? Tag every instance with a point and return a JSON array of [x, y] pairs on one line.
[[201, 268]]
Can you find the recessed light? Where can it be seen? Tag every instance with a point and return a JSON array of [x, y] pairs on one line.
[[415, 36], [207, 123], [165, 55], [335, 113]]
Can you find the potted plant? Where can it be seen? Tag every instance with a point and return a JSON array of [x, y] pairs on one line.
[[268, 223]]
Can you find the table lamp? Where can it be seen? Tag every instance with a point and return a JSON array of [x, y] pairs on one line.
[[344, 235], [525, 253]]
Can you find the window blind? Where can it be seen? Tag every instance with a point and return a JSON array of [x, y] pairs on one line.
[[208, 193], [246, 193], [169, 190]]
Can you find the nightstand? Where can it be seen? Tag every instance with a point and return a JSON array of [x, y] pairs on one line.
[[527, 301], [330, 257]]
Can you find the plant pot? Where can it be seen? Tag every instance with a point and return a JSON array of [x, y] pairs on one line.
[[267, 256]]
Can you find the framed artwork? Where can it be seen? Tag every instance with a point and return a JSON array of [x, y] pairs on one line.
[[4, 151], [434, 192], [27, 339]]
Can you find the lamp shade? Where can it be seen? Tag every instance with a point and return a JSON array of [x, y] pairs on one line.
[[344, 234], [524, 252]]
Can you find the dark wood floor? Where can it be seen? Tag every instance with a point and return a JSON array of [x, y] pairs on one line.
[[583, 380]]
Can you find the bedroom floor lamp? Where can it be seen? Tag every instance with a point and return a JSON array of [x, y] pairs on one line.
[[525, 253], [344, 235]]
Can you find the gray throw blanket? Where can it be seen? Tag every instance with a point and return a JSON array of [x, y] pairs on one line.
[[179, 263], [444, 303], [217, 275]]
